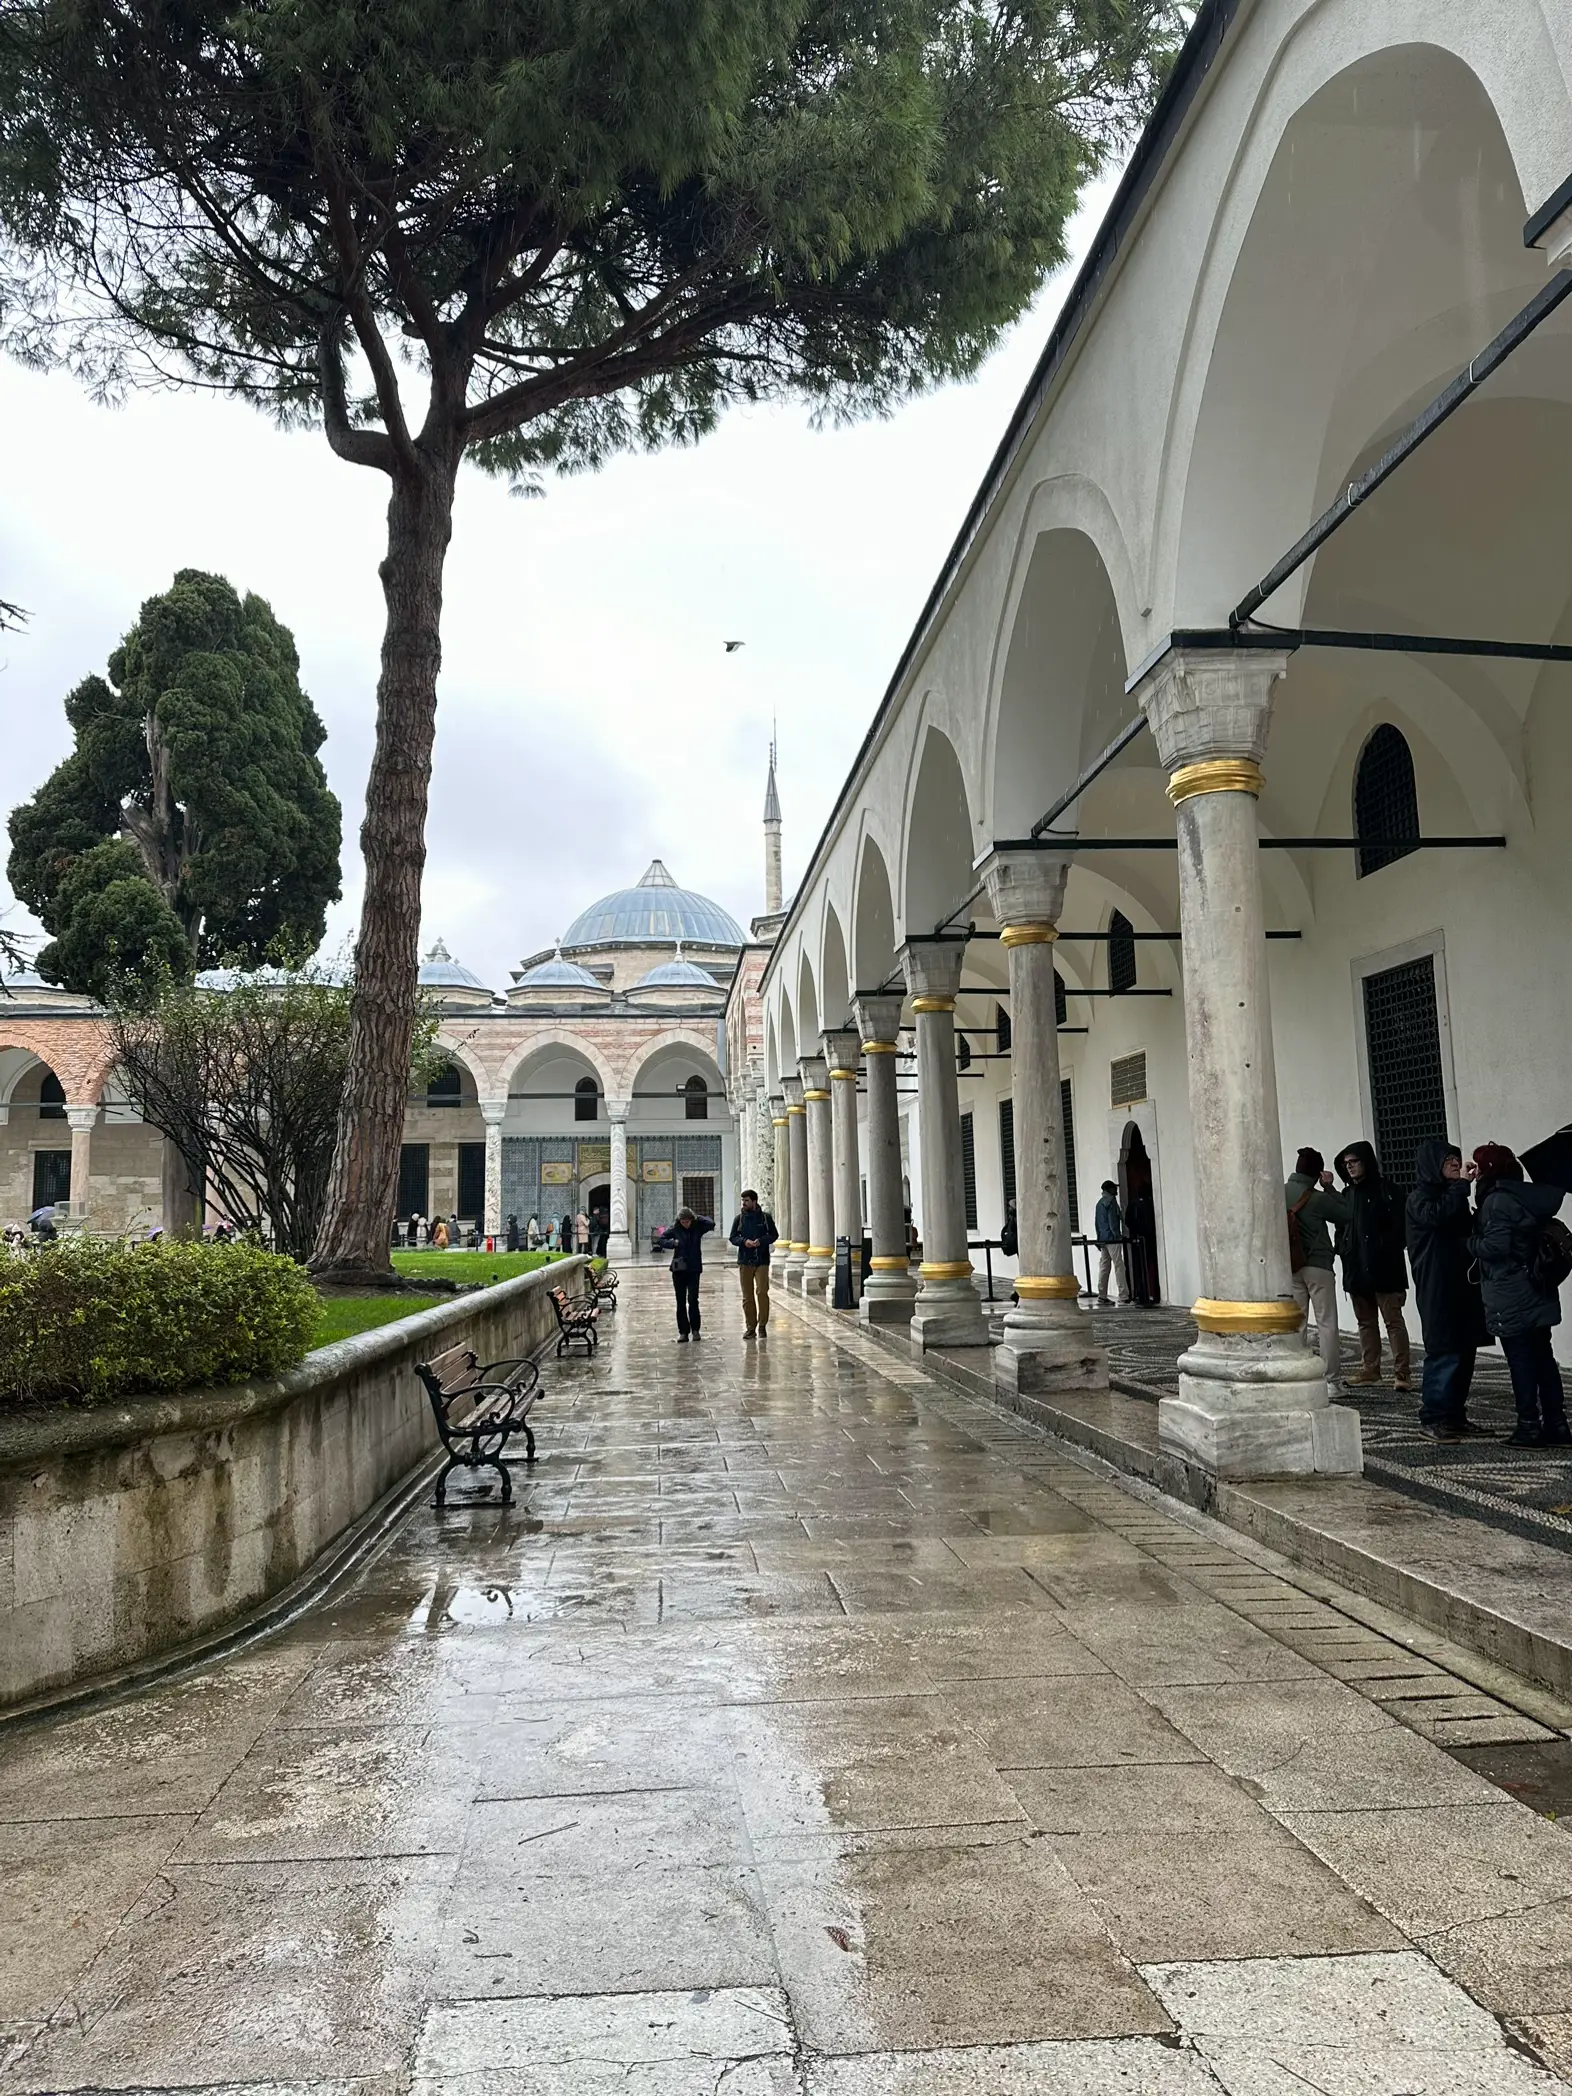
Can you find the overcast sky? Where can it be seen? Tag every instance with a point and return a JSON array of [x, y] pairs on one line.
[[589, 718]]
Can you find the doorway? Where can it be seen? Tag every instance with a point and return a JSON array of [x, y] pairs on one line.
[[1139, 1204]]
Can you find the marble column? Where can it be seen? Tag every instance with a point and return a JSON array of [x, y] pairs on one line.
[[1252, 1401], [841, 1053], [1047, 1345], [493, 1112], [619, 1245], [81, 1120], [797, 1180], [948, 1310], [891, 1286], [820, 1266], [779, 1201]]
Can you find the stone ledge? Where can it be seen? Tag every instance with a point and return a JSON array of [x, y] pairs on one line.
[[1495, 1594]]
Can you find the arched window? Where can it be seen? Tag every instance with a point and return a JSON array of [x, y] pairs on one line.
[[1061, 1011], [696, 1101], [1386, 805], [442, 1087], [1121, 952], [51, 1098], [963, 1052], [586, 1100]]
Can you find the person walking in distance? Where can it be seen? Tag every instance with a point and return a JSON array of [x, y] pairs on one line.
[[581, 1232], [1108, 1227], [687, 1264], [1375, 1278], [1523, 1260], [1314, 1211], [1451, 1310], [753, 1233]]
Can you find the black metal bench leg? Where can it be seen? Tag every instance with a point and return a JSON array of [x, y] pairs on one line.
[[443, 1475], [529, 1445], [501, 1469]]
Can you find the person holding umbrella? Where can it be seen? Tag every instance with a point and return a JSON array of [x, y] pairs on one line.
[[1520, 1273], [1437, 1221]]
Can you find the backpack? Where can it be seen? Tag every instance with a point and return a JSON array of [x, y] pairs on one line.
[[1551, 1261], [1296, 1236]]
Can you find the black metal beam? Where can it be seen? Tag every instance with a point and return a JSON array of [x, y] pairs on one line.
[[1098, 765], [1404, 844], [1418, 643], [1425, 424]]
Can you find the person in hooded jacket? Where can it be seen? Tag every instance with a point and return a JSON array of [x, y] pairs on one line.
[[687, 1266], [1438, 1220], [1375, 1279], [1519, 1310]]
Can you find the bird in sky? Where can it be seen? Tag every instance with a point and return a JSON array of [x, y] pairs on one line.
[[733, 645]]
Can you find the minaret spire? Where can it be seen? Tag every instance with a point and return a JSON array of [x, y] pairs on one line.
[[772, 838]]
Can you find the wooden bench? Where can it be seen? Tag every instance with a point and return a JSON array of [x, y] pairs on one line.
[[605, 1287], [575, 1321], [499, 1396]]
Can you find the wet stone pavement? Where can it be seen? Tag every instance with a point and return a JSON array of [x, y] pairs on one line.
[[804, 1729]]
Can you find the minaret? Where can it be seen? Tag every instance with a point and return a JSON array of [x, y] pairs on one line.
[[772, 841]]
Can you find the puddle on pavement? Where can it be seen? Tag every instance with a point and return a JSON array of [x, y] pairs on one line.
[[1537, 1773]]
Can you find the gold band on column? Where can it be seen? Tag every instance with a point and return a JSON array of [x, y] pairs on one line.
[[814, 1094], [796, 1248], [885, 1263], [843, 1076], [821, 1251], [880, 1048], [1036, 1288], [797, 1109], [777, 1120], [1028, 934], [945, 1269], [1262, 1319], [933, 1004], [1216, 775]]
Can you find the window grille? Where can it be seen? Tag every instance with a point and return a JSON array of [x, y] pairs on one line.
[[696, 1104], [414, 1178], [1007, 1150], [51, 1102], [969, 1170], [1002, 1021], [471, 1182], [1386, 802], [1121, 952], [586, 1100], [1061, 1011], [963, 1052], [1127, 1079], [1067, 1109], [1403, 1047], [442, 1087]]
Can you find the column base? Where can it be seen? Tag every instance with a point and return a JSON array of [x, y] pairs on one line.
[[791, 1271], [816, 1275], [619, 1245], [1251, 1407], [1048, 1353], [947, 1313], [887, 1299]]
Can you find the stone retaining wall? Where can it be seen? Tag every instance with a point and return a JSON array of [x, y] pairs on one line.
[[128, 1529]]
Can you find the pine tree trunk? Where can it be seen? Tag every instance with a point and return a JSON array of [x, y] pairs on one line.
[[353, 1241]]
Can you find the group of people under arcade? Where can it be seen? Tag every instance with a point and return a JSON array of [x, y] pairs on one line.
[[1487, 1257], [568, 1233]]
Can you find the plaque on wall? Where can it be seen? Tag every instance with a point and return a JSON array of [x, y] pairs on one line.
[[657, 1171], [594, 1157], [556, 1173]]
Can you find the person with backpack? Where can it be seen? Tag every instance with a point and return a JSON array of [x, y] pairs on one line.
[[1375, 1275], [1314, 1211], [753, 1232], [1523, 1257], [1438, 1221]]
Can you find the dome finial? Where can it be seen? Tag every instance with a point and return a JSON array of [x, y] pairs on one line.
[[439, 952], [656, 876]]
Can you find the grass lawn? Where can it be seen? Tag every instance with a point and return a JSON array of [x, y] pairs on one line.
[[341, 1316], [469, 1266]]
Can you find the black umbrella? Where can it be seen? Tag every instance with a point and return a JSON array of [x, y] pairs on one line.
[[1550, 1163]]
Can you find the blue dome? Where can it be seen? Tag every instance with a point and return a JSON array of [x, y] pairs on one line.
[[656, 909], [558, 974], [678, 975], [439, 971]]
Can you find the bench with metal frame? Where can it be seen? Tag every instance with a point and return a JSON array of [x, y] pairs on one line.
[[500, 1396], [575, 1321], [605, 1286]]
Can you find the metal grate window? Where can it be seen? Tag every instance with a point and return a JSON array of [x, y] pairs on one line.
[[1067, 1109], [969, 1170], [1061, 1011], [963, 1052], [1127, 1079], [1002, 1022], [1386, 803], [443, 1087], [1121, 952], [1403, 1045], [1007, 1149], [696, 1102], [586, 1100], [414, 1178], [471, 1182]]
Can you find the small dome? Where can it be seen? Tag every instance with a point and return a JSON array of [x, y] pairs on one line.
[[656, 909], [678, 975], [558, 974], [439, 971]]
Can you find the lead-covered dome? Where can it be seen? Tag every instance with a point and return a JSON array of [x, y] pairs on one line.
[[656, 909], [558, 974], [439, 971]]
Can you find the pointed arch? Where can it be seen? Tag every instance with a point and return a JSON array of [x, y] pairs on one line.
[[936, 869]]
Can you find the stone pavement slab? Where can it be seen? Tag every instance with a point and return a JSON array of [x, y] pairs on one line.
[[806, 1728]]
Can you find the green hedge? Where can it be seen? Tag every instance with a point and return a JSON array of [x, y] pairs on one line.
[[88, 1319]]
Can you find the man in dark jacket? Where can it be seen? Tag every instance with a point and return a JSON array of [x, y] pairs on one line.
[[1108, 1227], [1519, 1309], [1314, 1211], [753, 1232], [1370, 1245], [687, 1264], [1451, 1312]]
